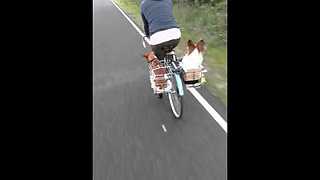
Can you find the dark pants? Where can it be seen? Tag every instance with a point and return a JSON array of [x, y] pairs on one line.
[[160, 50]]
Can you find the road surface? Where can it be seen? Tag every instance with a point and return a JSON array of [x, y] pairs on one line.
[[136, 136]]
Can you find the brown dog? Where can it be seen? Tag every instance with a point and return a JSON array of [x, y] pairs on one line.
[[156, 69], [149, 56], [152, 59]]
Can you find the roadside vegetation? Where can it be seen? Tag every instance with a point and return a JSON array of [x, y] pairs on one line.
[[198, 19]]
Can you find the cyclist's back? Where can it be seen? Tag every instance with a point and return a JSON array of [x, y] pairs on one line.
[[160, 25]]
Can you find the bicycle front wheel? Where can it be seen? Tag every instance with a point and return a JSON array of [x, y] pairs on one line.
[[175, 99]]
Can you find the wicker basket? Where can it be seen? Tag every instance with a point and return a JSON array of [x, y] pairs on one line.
[[157, 77], [192, 75]]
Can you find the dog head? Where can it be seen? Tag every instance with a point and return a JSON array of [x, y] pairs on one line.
[[199, 46], [149, 56], [194, 55]]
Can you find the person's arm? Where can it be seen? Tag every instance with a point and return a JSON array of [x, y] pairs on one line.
[[146, 26]]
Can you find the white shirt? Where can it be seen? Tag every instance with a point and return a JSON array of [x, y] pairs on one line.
[[164, 36]]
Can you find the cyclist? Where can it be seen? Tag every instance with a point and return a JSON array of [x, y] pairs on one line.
[[160, 25]]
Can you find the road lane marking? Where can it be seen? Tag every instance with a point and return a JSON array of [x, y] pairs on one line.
[[130, 21], [214, 114], [209, 108], [164, 128]]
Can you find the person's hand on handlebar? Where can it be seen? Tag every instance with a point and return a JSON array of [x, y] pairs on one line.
[[145, 40], [145, 37]]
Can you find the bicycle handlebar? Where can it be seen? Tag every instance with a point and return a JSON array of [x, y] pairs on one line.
[[144, 41]]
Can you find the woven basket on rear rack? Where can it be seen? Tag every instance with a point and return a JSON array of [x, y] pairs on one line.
[[157, 77]]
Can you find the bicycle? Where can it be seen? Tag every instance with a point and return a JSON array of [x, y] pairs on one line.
[[175, 84]]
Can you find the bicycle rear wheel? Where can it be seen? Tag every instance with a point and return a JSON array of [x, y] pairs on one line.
[[175, 99]]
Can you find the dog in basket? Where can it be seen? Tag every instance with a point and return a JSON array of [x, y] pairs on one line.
[[192, 62]]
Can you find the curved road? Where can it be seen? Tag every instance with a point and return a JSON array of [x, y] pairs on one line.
[[129, 142]]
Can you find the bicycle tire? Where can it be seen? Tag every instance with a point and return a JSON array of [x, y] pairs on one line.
[[175, 100]]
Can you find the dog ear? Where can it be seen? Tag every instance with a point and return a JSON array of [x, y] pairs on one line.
[[201, 45], [191, 46], [190, 43], [146, 55]]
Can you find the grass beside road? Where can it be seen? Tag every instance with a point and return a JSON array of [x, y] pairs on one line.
[[198, 22]]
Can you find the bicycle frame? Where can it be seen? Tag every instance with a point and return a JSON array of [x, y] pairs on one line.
[[170, 65], [173, 70], [174, 81]]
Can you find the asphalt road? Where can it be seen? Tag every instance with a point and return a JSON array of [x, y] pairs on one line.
[[129, 142]]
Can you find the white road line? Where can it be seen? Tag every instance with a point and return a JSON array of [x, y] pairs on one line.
[[209, 108], [164, 128], [130, 21], [214, 114]]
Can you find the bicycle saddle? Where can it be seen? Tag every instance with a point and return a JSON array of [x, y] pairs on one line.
[[167, 49]]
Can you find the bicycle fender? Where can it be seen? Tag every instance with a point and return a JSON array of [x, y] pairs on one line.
[[179, 84]]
